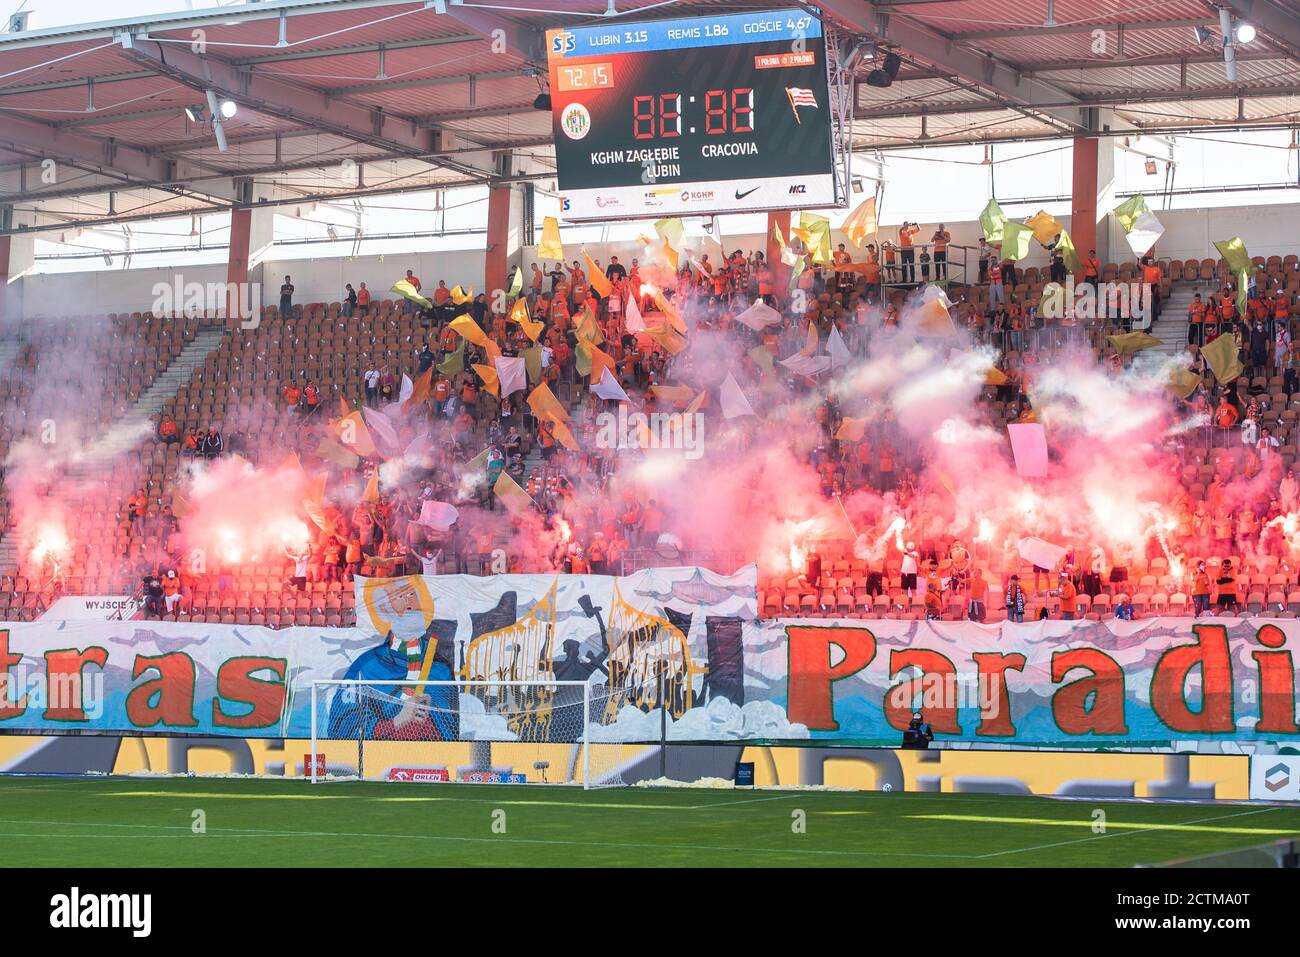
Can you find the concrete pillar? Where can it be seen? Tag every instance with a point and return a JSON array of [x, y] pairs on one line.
[[17, 258], [505, 237], [1092, 195], [252, 232]]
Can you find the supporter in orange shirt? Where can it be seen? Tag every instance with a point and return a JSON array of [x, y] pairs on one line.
[[906, 234], [363, 299], [941, 239]]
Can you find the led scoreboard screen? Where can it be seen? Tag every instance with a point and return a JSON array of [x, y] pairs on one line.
[[706, 115]]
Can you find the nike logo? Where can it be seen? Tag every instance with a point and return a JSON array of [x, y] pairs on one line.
[[740, 195]]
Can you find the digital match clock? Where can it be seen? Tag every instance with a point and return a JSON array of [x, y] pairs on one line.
[[692, 117]]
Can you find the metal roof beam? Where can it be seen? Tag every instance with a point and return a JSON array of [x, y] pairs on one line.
[[986, 72], [1040, 30], [275, 96]]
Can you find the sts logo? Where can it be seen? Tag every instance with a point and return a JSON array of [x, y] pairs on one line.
[[563, 43], [564, 204]]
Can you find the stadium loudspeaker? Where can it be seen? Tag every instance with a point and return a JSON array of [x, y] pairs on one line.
[[886, 75], [543, 102]]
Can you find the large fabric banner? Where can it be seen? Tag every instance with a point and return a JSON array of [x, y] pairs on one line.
[[682, 641]]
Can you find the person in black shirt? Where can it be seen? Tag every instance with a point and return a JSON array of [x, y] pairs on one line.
[[919, 734], [556, 274], [426, 359], [615, 270], [349, 302], [286, 298]]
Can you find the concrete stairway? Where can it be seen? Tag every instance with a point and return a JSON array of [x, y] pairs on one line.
[[133, 428], [1172, 324]]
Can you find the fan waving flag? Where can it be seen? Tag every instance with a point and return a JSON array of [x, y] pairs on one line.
[[800, 97]]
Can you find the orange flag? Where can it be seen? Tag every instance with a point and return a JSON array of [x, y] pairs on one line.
[[421, 391], [598, 280], [468, 328], [489, 376]]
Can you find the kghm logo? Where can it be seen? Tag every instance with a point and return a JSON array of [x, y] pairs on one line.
[[563, 42], [75, 909], [1277, 777]]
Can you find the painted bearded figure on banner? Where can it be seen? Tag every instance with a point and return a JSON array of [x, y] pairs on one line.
[[415, 647]]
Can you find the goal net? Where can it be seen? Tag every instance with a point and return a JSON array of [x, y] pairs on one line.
[[489, 732]]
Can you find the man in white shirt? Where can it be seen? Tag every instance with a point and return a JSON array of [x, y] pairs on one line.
[[372, 386], [429, 560]]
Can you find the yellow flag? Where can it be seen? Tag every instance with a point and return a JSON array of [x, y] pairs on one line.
[[598, 280], [1183, 382], [352, 432], [818, 239], [331, 451], [670, 256], [1221, 354], [667, 338], [860, 223], [550, 247], [811, 341], [1128, 343], [460, 296], [371, 494], [469, 329], [591, 361], [776, 234], [670, 312], [519, 314], [678, 394], [995, 376], [407, 290], [1044, 226], [489, 376], [587, 329], [545, 405], [670, 230], [851, 430], [762, 357], [514, 498]]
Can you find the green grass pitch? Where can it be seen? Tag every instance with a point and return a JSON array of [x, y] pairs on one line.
[[122, 822]]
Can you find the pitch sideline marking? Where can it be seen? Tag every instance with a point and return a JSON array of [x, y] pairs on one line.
[[1098, 837]]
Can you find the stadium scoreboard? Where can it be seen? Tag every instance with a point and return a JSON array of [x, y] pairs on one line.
[[691, 116]]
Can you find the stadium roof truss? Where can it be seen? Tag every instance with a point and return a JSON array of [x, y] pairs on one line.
[[110, 122]]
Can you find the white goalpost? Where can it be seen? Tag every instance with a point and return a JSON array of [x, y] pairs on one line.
[[480, 731]]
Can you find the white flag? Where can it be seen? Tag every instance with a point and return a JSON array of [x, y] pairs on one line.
[[734, 403], [407, 388], [608, 387], [807, 365], [512, 374], [439, 516], [632, 319], [1144, 234], [759, 316], [838, 349]]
